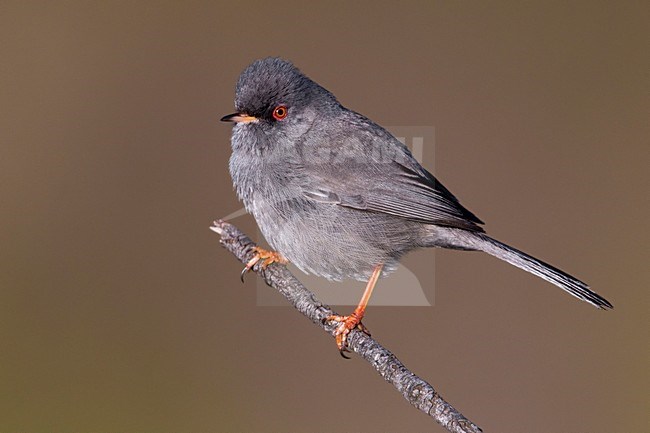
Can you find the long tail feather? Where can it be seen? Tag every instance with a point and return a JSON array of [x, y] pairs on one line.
[[543, 270], [479, 241]]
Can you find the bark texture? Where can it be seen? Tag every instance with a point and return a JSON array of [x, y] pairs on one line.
[[414, 389]]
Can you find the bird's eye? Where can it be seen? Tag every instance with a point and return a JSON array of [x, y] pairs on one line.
[[280, 112]]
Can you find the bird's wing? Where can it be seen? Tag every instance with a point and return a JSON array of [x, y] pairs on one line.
[[400, 188]]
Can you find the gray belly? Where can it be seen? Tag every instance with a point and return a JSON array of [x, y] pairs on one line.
[[332, 241]]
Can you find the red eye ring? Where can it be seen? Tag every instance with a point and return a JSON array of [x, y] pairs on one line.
[[280, 112]]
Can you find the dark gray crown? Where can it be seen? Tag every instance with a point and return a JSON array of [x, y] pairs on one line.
[[269, 82]]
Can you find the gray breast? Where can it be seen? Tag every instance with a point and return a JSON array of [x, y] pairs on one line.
[[323, 239]]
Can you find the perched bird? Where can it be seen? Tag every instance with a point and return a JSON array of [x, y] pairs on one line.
[[339, 196]]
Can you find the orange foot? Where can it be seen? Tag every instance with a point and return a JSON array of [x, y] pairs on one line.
[[267, 257], [347, 324]]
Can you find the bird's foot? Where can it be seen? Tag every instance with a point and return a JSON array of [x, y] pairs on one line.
[[266, 257], [347, 324]]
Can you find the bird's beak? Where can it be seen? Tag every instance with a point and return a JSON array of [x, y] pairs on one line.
[[239, 118]]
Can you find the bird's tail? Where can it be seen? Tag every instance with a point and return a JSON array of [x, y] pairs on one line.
[[479, 241]]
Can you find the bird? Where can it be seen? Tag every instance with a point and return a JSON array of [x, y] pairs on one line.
[[340, 197]]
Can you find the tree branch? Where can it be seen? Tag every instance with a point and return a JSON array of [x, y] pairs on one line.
[[414, 389]]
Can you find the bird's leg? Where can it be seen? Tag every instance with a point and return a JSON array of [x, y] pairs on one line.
[[267, 257], [348, 323]]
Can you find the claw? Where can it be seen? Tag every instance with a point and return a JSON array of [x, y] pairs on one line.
[[267, 258], [361, 327], [256, 258], [346, 324], [243, 272]]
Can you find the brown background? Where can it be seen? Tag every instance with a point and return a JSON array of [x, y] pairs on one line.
[[119, 312]]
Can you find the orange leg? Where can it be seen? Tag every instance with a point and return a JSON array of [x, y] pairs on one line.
[[267, 257], [348, 323]]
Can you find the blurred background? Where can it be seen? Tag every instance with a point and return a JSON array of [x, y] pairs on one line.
[[120, 312]]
